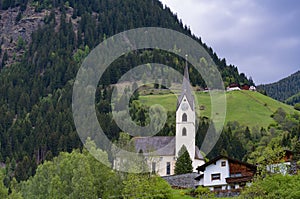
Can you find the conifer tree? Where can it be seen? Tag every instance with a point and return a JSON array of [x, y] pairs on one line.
[[184, 163], [3, 189]]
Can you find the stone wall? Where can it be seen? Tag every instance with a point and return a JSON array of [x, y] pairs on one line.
[[183, 180]]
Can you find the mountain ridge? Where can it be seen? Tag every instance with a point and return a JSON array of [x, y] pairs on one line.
[[283, 89]]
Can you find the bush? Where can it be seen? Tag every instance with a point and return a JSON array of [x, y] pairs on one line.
[[145, 186], [203, 192], [275, 186], [297, 106]]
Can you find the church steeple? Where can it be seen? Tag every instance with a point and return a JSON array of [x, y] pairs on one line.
[[186, 89]]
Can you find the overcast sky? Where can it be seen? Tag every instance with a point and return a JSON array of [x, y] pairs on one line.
[[260, 37]]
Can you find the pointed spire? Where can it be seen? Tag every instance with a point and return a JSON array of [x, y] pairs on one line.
[[186, 87], [186, 70]]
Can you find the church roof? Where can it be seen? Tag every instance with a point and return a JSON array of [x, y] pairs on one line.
[[162, 145], [186, 89], [198, 155]]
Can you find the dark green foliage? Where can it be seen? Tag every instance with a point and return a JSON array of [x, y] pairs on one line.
[[80, 175], [293, 99], [231, 142], [184, 163], [75, 175], [284, 89], [297, 106], [296, 149], [3, 189], [276, 186], [203, 192], [145, 186]]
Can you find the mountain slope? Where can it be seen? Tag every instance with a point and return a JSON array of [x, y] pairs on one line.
[[246, 107], [36, 90], [284, 88], [293, 99]]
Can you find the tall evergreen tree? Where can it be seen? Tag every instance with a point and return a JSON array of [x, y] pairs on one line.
[[184, 163]]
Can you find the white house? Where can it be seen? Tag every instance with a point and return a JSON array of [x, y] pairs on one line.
[[252, 88], [166, 148], [224, 173], [283, 167], [233, 89]]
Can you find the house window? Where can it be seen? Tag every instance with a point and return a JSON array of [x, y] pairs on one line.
[[184, 117], [184, 131], [223, 163], [153, 167], [215, 176], [168, 172]]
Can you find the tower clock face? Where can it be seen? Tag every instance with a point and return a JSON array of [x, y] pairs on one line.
[[184, 106]]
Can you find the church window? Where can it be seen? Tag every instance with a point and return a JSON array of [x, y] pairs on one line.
[[168, 172], [184, 117], [184, 131], [153, 167]]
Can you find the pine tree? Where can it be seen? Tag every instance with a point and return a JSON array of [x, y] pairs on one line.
[[296, 156], [184, 163], [3, 189]]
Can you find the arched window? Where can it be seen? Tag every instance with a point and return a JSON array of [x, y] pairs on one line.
[[184, 117], [184, 131]]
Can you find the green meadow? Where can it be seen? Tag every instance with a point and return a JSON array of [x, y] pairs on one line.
[[247, 107]]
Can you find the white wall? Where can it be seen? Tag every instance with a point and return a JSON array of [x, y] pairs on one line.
[[213, 169], [197, 163], [161, 164]]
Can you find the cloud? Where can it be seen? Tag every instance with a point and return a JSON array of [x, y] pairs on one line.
[[259, 36]]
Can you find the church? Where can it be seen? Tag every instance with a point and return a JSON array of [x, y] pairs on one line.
[[166, 148]]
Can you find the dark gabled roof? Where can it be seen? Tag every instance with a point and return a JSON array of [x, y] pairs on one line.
[[199, 177], [162, 145], [186, 89], [202, 167]]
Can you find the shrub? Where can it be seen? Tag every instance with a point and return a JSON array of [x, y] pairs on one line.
[[297, 106], [275, 186], [203, 192]]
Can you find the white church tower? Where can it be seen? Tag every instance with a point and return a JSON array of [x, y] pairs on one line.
[[186, 119]]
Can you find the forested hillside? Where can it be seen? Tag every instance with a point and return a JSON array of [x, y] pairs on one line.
[[35, 92], [37, 71], [285, 90]]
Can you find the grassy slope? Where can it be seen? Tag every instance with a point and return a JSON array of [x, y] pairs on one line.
[[246, 107]]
